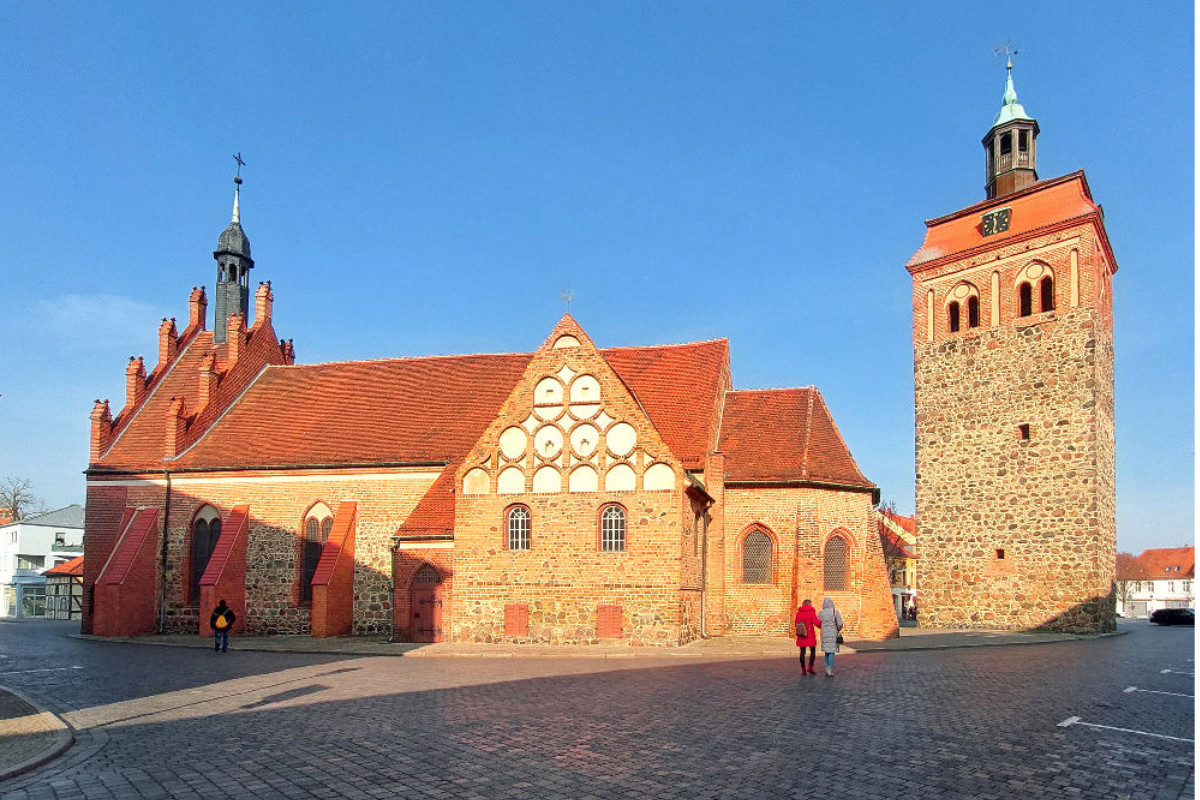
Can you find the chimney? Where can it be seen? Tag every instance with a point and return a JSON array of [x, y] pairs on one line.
[[236, 332], [176, 427], [263, 299], [168, 342], [197, 309], [208, 382], [135, 382], [289, 352], [101, 428]]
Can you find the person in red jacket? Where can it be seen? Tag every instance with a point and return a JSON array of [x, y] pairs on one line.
[[806, 616]]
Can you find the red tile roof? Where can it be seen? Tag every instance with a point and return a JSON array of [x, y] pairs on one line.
[[777, 435], [893, 543], [1159, 564], [72, 568], [1034, 208]]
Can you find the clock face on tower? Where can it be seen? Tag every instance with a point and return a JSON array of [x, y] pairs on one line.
[[996, 221]]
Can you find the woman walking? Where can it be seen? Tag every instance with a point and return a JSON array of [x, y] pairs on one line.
[[806, 635], [830, 622]]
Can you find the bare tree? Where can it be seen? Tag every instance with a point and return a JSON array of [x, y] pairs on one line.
[[16, 494]]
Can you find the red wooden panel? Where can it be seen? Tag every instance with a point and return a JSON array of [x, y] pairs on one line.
[[516, 620], [608, 622]]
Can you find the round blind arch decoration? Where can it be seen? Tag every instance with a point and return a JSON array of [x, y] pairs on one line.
[[837, 560]]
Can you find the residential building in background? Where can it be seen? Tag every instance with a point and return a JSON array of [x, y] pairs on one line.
[[898, 535], [28, 547], [1158, 578], [64, 590], [1013, 355]]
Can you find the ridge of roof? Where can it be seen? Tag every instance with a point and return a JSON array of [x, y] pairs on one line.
[[66, 517]]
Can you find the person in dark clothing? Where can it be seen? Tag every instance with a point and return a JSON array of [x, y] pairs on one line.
[[221, 621]]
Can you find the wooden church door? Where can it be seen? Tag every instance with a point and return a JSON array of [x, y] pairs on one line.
[[426, 605]]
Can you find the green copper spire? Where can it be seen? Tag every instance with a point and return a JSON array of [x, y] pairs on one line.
[[1011, 109]]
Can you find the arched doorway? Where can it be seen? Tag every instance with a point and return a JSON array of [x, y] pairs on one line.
[[426, 605]]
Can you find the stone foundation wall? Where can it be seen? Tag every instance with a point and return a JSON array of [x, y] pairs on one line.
[[1017, 533]]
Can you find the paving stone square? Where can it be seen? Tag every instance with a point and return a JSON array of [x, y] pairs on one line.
[[981, 723]]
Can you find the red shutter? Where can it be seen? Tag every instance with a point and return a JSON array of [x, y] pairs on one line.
[[608, 622], [516, 621]]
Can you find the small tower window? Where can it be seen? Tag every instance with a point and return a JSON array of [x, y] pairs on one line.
[[973, 312], [1023, 432], [954, 321], [1047, 291], [999, 553], [1025, 298], [1023, 141], [1006, 144]]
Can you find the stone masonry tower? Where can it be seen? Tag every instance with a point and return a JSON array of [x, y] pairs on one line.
[[233, 269], [1013, 365]]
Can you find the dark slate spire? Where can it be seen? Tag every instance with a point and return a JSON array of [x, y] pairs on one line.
[[233, 267]]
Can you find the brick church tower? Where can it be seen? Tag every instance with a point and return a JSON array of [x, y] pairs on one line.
[[1013, 365]]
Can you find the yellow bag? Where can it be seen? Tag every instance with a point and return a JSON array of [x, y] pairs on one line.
[[222, 622]]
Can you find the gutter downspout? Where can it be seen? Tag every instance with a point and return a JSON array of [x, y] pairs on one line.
[[162, 559], [392, 597], [704, 574]]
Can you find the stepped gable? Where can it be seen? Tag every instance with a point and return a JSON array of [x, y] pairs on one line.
[[1049, 203], [680, 388], [774, 435], [139, 432]]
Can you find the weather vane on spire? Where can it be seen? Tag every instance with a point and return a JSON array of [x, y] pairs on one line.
[[238, 158], [1008, 50], [566, 295]]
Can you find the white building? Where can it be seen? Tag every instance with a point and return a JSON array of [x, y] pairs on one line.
[[29, 547], [1162, 578]]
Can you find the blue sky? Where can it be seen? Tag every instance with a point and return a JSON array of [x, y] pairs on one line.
[[425, 178]]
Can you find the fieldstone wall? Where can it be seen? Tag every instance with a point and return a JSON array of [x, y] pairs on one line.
[[1013, 532]]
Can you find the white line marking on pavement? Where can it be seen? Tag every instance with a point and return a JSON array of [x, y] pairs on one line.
[[1152, 691], [1069, 721], [47, 669], [1175, 672]]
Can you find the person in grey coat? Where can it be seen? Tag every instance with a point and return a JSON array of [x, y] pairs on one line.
[[830, 621]]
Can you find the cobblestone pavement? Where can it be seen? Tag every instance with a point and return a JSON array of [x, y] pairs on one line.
[[975, 723]]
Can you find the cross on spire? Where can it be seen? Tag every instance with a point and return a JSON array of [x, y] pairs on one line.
[[238, 158]]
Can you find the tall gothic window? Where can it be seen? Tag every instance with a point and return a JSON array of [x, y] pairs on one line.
[[954, 317], [317, 526], [836, 561], [972, 312], [612, 529], [518, 528], [757, 558], [206, 531], [1025, 299]]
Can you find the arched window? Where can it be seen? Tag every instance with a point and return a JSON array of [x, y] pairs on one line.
[[972, 312], [1025, 300], [518, 528], [206, 530], [954, 315], [612, 529], [1047, 290], [836, 552], [317, 525], [427, 574], [757, 561], [962, 301]]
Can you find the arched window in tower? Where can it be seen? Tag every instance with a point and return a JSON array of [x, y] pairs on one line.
[[757, 558], [1024, 299], [836, 562], [972, 312], [1047, 291], [317, 525], [206, 531], [953, 314]]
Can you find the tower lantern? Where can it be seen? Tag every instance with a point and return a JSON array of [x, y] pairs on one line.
[[233, 267], [1011, 146]]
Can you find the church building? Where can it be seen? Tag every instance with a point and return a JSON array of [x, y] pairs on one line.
[[1013, 353], [569, 495]]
